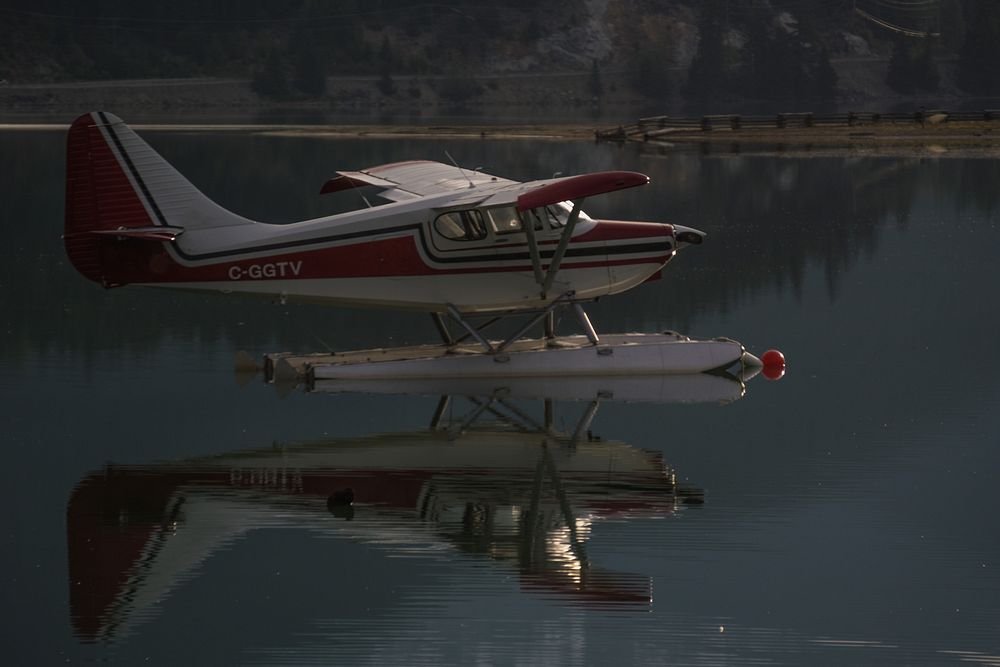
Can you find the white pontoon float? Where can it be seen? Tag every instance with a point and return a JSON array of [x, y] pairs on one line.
[[633, 354]]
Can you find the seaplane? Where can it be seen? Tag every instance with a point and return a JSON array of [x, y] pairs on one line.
[[469, 248]]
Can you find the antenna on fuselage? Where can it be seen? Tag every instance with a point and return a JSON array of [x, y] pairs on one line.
[[471, 184], [355, 187]]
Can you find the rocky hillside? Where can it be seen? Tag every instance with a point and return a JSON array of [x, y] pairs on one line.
[[459, 51]]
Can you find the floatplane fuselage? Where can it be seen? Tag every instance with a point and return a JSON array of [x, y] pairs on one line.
[[449, 238]]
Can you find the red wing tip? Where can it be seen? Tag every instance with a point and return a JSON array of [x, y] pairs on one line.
[[578, 187], [341, 182]]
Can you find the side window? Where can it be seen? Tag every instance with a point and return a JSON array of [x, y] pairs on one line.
[[504, 219], [449, 225], [460, 226]]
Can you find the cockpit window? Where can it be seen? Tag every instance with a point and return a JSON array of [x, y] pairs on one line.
[[504, 219], [460, 225]]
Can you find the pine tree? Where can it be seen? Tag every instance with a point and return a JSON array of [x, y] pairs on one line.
[[271, 79], [386, 62], [900, 76], [979, 59], [707, 77], [824, 77], [651, 78], [309, 69], [912, 67], [926, 76], [776, 66], [594, 85]]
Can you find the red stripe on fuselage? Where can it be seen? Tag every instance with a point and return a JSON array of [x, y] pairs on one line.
[[354, 261]]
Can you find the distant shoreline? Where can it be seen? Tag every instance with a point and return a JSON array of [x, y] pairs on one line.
[[553, 132], [960, 138]]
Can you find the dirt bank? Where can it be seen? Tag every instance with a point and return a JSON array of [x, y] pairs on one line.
[[497, 95]]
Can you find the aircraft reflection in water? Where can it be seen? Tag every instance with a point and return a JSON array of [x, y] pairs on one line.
[[486, 478]]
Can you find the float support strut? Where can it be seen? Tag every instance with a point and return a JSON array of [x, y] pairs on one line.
[[585, 323], [546, 314], [457, 316], [442, 329]]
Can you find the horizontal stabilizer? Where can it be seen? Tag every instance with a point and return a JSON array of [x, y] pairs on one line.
[[154, 233]]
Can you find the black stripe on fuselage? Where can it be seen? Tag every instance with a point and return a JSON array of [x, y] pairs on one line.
[[548, 254]]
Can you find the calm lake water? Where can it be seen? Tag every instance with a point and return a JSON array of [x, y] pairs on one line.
[[159, 511]]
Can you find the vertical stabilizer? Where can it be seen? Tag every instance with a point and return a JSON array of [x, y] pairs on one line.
[[116, 182]]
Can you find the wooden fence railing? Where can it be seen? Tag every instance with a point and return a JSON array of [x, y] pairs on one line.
[[654, 127]]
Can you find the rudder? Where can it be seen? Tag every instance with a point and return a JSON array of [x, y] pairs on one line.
[[116, 181]]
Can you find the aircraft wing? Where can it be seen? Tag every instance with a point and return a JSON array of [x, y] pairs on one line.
[[402, 181]]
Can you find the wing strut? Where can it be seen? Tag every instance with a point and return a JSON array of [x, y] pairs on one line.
[[536, 262], [550, 276], [542, 277], [557, 258], [575, 189]]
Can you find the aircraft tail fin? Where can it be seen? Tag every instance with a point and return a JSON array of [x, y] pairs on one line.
[[118, 187]]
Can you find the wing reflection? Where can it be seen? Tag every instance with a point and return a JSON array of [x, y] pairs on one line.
[[486, 478]]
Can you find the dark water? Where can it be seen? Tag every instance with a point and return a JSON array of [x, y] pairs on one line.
[[158, 511]]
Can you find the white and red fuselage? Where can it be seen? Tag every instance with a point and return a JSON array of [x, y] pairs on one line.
[[448, 238]]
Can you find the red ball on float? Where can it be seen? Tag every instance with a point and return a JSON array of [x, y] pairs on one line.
[[774, 364], [773, 358]]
